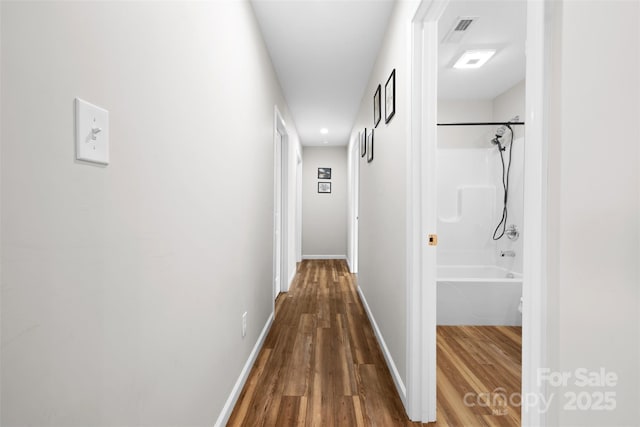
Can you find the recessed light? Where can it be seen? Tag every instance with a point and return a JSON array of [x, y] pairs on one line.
[[474, 58], [324, 131], [325, 142]]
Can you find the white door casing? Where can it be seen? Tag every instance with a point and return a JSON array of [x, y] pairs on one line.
[[277, 232], [354, 203], [280, 205], [422, 214]]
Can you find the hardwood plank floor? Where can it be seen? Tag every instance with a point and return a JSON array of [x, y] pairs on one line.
[[321, 365], [479, 370]]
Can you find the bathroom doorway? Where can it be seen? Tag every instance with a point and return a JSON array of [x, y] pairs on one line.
[[480, 253], [480, 199]]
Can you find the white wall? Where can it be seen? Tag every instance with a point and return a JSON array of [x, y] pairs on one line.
[[382, 262], [324, 215], [123, 286], [456, 111], [509, 104], [593, 236]]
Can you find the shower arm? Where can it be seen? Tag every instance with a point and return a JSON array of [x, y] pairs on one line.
[[483, 124]]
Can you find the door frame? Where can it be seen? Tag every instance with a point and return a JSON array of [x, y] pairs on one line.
[[298, 205], [354, 202], [280, 203], [422, 217]]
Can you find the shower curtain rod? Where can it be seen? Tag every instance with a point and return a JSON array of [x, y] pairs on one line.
[[483, 124]]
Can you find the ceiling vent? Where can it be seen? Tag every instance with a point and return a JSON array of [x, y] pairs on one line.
[[459, 29]]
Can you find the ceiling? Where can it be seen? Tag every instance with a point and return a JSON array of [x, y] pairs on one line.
[[501, 25], [323, 53]]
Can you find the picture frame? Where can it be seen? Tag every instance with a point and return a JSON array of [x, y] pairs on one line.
[[363, 143], [324, 187], [370, 146], [390, 97], [377, 107], [324, 173]]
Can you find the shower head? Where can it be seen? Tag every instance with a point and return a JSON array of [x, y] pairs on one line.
[[499, 134]]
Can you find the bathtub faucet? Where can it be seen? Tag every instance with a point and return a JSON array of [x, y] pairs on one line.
[[510, 254]]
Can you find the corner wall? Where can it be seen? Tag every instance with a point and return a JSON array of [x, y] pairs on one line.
[[123, 286], [593, 238]]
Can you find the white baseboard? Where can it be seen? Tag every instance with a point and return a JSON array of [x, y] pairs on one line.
[[402, 390], [237, 388], [324, 257]]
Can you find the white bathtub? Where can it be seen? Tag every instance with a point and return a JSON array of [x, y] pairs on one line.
[[478, 295]]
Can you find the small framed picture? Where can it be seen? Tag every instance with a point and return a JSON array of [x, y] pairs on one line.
[[390, 97], [324, 187], [370, 146], [324, 173], [376, 107], [363, 143]]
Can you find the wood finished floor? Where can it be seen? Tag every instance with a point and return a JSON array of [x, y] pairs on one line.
[[479, 365], [321, 365]]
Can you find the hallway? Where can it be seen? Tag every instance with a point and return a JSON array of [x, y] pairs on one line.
[[167, 168], [321, 363]]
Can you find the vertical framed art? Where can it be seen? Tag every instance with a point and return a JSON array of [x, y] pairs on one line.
[[324, 187], [390, 97], [363, 143], [376, 107], [370, 146]]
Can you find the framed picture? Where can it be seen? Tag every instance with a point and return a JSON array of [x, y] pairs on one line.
[[390, 97], [370, 146], [324, 187], [376, 107], [363, 142], [324, 173]]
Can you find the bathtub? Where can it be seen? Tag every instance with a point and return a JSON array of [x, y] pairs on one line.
[[478, 295]]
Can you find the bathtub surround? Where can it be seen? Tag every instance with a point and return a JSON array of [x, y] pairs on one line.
[[470, 204], [470, 182]]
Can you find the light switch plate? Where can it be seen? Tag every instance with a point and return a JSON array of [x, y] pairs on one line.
[[92, 133]]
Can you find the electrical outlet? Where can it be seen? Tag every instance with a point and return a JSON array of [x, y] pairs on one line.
[[244, 324]]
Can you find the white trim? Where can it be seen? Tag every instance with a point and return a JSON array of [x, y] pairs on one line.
[[534, 284], [353, 201], [421, 286], [298, 204], [280, 203], [227, 409], [397, 379], [421, 331], [324, 257]]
